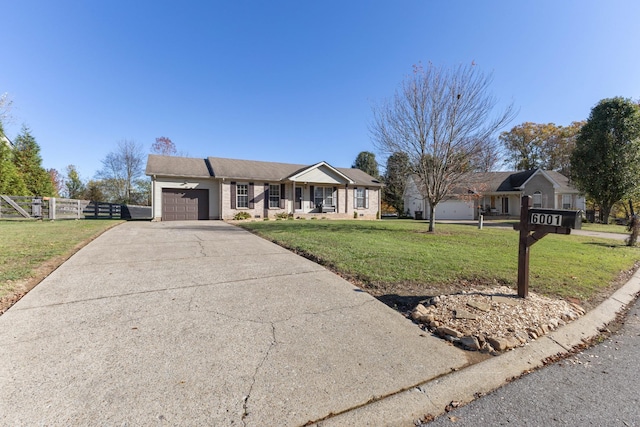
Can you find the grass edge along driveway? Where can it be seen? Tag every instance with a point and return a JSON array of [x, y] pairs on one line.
[[30, 250], [398, 253]]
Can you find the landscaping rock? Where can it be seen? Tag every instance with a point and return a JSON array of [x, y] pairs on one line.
[[479, 305], [470, 342], [443, 330], [498, 343], [510, 321], [422, 314], [463, 314]]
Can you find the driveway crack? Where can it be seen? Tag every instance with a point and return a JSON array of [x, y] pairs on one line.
[[245, 399]]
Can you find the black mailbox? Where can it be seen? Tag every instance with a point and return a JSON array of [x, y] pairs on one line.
[[556, 218]]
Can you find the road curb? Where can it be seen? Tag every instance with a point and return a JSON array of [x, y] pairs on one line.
[[431, 398]]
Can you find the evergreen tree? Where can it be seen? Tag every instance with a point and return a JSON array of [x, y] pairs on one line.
[[26, 157], [395, 179], [75, 188], [366, 161], [11, 182]]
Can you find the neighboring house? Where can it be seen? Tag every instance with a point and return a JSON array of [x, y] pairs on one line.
[[215, 188], [5, 140], [498, 193]]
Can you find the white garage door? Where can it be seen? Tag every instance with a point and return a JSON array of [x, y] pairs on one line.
[[454, 209]]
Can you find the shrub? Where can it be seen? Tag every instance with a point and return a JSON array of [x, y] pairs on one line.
[[242, 215], [355, 214], [284, 215]]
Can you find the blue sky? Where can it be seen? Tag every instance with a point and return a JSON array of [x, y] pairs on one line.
[[290, 81]]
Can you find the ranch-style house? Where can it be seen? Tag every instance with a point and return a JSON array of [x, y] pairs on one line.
[[497, 194], [185, 188]]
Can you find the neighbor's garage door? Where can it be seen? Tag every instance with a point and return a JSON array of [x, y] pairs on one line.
[[182, 205]]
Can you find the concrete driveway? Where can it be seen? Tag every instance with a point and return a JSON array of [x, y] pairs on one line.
[[202, 323]]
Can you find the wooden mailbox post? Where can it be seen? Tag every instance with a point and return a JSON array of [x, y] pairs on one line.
[[534, 225]]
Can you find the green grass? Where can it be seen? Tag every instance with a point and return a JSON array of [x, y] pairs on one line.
[[27, 245], [394, 252], [605, 228]]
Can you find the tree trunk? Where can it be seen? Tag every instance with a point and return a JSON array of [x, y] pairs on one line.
[[432, 217], [633, 226], [604, 214]]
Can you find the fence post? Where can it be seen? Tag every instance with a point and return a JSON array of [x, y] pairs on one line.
[[36, 207], [78, 209], [52, 208], [96, 209]]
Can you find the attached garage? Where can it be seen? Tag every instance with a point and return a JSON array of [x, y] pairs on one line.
[[453, 209], [184, 205]]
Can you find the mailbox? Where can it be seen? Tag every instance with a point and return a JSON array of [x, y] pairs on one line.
[[556, 218]]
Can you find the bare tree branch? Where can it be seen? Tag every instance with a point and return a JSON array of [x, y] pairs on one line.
[[442, 119]]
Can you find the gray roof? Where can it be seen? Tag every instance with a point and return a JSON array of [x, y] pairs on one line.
[[508, 181], [499, 182], [252, 169], [170, 166], [218, 167]]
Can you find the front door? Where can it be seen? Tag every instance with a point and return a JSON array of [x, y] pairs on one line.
[[298, 198], [505, 205]]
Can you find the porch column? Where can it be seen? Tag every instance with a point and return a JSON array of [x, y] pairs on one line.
[[346, 198], [293, 197]]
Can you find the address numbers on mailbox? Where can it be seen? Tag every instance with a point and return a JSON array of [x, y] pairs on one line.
[[546, 219], [555, 218]]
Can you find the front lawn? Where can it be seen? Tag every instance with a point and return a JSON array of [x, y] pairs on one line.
[[29, 249], [401, 257]]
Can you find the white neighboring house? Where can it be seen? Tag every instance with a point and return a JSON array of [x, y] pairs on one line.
[[497, 193], [5, 140]]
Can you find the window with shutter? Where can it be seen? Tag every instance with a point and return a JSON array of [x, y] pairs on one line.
[[250, 196], [274, 196], [361, 198], [233, 195], [242, 196]]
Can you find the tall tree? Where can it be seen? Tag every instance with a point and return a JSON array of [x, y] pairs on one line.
[[26, 157], [395, 180], [442, 119], [366, 161], [94, 191], [75, 188], [534, 145], [164, 146], [524, 144], [606, 161], [120, 171], [57, 180], [11, 182]]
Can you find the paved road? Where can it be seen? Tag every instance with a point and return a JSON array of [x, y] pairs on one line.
[[598, 387], [202, 323]]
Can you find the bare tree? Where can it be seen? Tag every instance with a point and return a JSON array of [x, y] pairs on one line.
[[121, 170], [5, 107], [164, 146], [5, 116], [442, 118]]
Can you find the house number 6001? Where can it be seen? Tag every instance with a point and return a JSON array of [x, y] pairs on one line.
[[546, 219]]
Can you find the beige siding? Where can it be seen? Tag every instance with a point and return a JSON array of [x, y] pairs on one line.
[[540, 183], [260, 203], [321, 175]]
